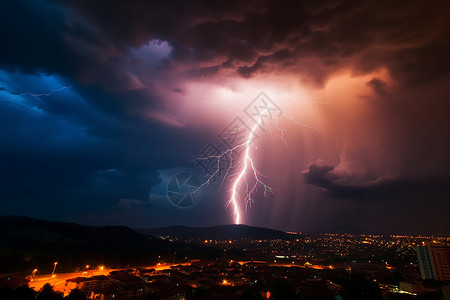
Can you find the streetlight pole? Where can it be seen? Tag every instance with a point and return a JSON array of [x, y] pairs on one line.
[[54, 268], [33, 274]]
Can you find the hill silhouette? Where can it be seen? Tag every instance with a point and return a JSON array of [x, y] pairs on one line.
[[221, 232], [27, 243]]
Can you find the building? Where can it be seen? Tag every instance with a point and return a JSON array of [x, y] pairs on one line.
[[90, 283], [434, 261]]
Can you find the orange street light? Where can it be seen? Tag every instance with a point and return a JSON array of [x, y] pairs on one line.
[[33, 274], [54, 268]]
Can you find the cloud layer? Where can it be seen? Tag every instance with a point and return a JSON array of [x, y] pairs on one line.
[[145, 81]]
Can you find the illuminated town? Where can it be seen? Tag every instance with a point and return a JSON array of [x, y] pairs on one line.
[[312, 266]]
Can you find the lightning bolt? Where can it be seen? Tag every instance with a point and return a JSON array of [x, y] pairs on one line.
[[45, 94], [246, 164]]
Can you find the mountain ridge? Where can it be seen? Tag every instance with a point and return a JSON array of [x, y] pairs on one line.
[[27, 243], [218, 232]]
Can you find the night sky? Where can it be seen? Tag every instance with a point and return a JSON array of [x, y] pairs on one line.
[[103, 102]]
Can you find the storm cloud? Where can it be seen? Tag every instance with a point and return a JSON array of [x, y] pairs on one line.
[[98, 98]]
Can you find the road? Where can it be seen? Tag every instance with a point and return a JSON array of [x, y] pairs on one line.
[[59, 280]]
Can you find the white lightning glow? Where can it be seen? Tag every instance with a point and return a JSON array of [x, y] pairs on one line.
[[247, 177], [240, 178]]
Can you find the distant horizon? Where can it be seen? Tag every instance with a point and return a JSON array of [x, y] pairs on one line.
[[230, 224]]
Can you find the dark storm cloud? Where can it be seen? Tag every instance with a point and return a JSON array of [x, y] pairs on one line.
[[63, 155], [313, 39], [382, 205], [41, 37], [378, 85], [94, 146], [57, 163], [91, 41], [94, 41], [319, 175], [32, 41], [340, 185], [345, 186]]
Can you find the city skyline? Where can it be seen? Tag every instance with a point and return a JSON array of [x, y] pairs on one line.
[[110, 111]]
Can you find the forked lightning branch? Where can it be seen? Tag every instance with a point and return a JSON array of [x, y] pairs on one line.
[[231, 157]]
